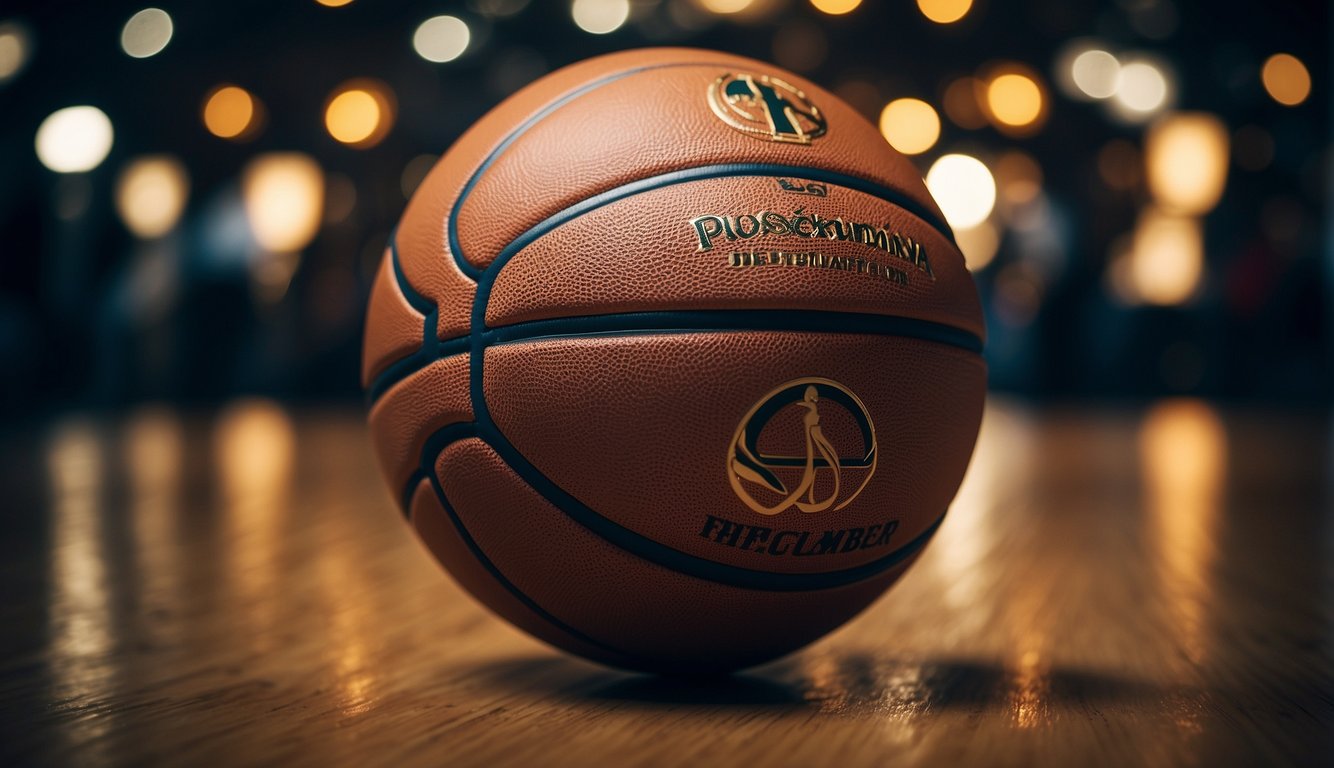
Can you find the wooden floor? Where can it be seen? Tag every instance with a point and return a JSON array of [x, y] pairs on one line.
[[1131, 587]]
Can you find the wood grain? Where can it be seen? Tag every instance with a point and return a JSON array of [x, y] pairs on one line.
[[1130, 587]]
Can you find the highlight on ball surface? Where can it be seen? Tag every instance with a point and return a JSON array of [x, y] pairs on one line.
[[673, 361]]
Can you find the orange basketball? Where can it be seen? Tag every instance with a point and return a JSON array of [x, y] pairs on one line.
[[673, 361]]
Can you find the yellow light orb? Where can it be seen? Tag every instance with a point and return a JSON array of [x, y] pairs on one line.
[[441, 39], [600, 17], [910, 125], [1014, 99], [146, 33], [1141, 89], [1167, 257], [1286, 79], [151, 194], [359, 113], [283, 195], [964, 189], [1094, 72], [1186, 158], [229, 112], [74, 139], [978, 245], [334, 3], [15, 48], [836, 7], [944, 11], [725, 6]]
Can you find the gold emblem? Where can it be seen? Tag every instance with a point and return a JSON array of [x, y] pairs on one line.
[[820, 477], [766, 107]]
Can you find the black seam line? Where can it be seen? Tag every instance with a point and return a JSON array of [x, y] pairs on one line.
[[431, 349], [679, 322], [608, 529], [701, 173], [629, 541], [464, 431], [451, 227], [731, 321]]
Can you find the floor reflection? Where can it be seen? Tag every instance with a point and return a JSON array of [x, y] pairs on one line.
[[254, 447], [81, 627], [1156, 572], [1183, 458]]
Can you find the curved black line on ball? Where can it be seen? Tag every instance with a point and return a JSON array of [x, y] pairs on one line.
[[436, 444], [430, 347], [733, 321], [451, 226]]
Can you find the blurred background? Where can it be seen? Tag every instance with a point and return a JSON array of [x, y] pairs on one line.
[[195, 196]]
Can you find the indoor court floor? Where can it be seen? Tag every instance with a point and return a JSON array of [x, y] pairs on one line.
[[1126, 586]]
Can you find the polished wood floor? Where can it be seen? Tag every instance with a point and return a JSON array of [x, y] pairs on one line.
[[1131, 587]]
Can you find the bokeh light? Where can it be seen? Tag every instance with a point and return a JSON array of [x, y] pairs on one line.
[[441, 39], [836, 7], [725, 6], [1015, 99], [1167, 257], [1095, 73], [944, 11], [961, 103], [359, 113], [15, 49], [334, 3], [910, 125], [1018, 177], [283, 195], [231, 112], [1286, 79], [146, 33], [151, 193], [1186, 158], [600, 17], [1142, 89], [74, 139], [964, 189], [978, 245]]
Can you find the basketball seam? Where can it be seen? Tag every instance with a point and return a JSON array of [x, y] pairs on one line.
[[677, 322], [600, 525], [465, 431], [478, 339], [487, 278], [451, 226], [667, 557]]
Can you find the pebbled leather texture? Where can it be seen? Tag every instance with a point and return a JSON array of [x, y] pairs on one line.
[[641, 253], [412, 409], [647, 444], [393, 327], [588, 362], [639, 614]]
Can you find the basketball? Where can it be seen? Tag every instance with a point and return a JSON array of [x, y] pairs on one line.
[[673, 362]]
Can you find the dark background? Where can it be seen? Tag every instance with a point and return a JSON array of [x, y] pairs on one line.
[[87, 320]]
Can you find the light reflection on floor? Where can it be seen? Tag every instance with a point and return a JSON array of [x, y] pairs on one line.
[[1080, 566]]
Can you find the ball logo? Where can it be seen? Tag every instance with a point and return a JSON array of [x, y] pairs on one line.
[[819, 474], [766, 107]]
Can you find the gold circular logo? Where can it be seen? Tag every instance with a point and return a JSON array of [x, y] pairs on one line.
[[818, 478], [766, 108]]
